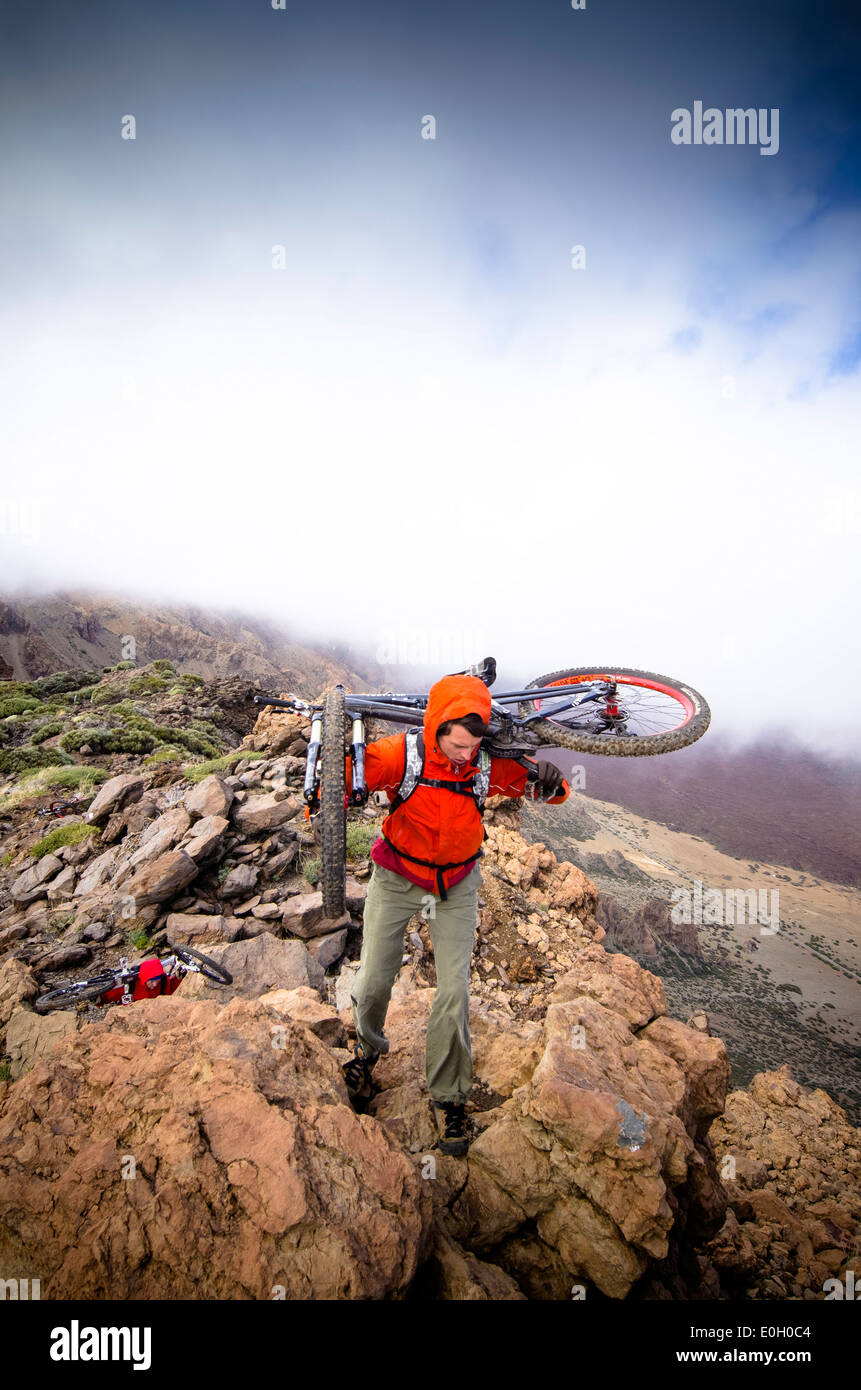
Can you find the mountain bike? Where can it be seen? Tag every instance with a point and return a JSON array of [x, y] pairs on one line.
[[60, 808], [124, 985], [610, 710]]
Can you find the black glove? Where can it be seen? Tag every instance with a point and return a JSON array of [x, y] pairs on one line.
[[549, 782]]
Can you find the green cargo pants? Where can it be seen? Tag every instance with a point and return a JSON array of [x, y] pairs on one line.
[[391, 902]]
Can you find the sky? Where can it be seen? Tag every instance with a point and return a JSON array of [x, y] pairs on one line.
[[414, 327]]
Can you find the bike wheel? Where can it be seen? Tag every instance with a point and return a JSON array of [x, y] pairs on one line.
[[70, 994], [333, 807], [207, 966], [649, 714]]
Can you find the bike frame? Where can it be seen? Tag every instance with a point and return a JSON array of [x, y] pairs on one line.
[[509, 734]]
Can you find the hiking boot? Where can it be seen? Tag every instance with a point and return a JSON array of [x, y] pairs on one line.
[[451, 1122], [357, 1075]]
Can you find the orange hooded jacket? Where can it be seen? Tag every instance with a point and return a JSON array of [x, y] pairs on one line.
[[435, 824]]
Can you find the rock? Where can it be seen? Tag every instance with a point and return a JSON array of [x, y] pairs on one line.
[[211, 797], [261, 813], [96, 931], [31, 1036], [61, 888], [240, 881], [284, 860], [455, 1273], [115, 793], [258, 965], [99, 871], [343, 985], [157, 882], [63, 957], [161, 835], [33, 883], [207, 838], [18, 987], [355, 896], [329, 948], [254, 1173], [304, 1006], [267, 911], [11, 934], [247, 906], [191, 928], [303, 916], [700, 1021]]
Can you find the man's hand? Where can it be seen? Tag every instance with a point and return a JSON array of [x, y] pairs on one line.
[[549, 782]]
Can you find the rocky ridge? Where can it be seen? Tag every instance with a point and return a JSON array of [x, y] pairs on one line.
[[608, 1160]]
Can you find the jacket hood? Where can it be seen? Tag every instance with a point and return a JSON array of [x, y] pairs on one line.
[[451, 698]]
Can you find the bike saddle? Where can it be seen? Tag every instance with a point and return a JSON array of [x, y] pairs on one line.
[[485, 670]]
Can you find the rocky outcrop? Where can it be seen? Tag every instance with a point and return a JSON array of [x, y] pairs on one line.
[[791, 1165], [239, 1170], [606, 1154]]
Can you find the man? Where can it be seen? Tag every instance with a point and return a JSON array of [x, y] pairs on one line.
[[427, 861]]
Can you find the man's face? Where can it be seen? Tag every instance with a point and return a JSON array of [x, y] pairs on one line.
[[458, 744]]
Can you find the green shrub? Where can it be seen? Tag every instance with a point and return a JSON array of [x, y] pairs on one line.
[[311, 870], [104, 740], [125, 666], [54, 726], [5, 1072], [18, 704], [7, 858], [223, 764], [69, 777], [30, 759], [191, 682], [63, 835], [360, 837], [166, 733], [162, 664], [106, 695], [167, 754], [146, 684], [83, 696], [139, 939], [62, 682]]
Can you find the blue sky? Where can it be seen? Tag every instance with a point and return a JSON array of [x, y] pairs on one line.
[[652, 458]]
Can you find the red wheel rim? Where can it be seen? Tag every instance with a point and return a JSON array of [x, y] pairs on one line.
[[679, 696]]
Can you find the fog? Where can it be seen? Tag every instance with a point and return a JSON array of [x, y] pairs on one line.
[[280, 354]]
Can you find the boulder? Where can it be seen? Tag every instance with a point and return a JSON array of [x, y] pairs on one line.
[[211, 797], [240, 881], [115, 793], [61, 888], [161, 880], [258, 965], [192, 928], [33, 883], [64, 957], [18, 986], [303, 916], [254, 1179], [99, 871], [31, 1036], [207, 838], [161, 835], [329, 948], [304, 1006], [260, 813]]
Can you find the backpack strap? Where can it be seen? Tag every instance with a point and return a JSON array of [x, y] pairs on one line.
[[414, 763]]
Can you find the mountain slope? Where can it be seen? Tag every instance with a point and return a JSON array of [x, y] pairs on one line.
[[76, 629]]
